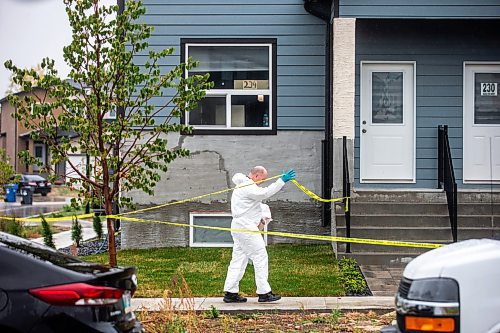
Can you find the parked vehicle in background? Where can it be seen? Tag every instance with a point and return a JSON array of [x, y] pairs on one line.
[[43, 290], [454, 288], [37, 182]]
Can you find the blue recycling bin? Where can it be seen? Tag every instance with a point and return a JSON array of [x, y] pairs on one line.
[[10, 192]]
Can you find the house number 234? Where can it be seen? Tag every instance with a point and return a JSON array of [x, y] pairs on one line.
[[249, 84]]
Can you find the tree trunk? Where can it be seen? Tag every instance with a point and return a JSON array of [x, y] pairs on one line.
[[111, 234]]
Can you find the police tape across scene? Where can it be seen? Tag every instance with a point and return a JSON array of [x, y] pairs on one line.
[[345, 200]]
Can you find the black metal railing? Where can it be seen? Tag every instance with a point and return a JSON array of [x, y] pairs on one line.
[[346, 193], [446, 177], [326, 185]]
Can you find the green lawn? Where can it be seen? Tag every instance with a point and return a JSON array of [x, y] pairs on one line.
[[294, 270]]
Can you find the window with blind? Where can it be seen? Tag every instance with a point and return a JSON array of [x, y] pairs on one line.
[[243, 99]]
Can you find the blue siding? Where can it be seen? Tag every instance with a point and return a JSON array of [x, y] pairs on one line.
[[419, 8], [439, 48], [300, 45]]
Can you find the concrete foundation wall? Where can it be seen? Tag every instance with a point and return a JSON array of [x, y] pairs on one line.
[[212, 163]]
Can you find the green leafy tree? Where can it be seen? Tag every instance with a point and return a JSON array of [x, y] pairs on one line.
[[114, 71], [47, 233], [76, 231], [6, 170]]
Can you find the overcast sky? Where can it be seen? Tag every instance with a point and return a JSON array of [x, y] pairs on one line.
[[31, 30]]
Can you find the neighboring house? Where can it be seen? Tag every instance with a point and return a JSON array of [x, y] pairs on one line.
[[14, 138], [293, 77]]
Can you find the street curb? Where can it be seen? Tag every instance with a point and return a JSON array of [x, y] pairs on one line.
[[286, 304]]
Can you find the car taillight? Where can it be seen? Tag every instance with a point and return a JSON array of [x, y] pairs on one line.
[[49, 183], [77, 294], [32, 184]]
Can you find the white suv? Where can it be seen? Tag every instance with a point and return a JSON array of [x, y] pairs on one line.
[[455, 288]]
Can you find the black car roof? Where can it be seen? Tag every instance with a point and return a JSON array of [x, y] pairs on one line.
[[48, 254]]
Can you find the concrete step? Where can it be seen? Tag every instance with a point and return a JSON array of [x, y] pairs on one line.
[[417, 233], [424, 221], [384, 208], [424, 196], [356, 247], [380, 258]]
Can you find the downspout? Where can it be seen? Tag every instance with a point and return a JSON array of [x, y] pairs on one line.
[[120, 113], [322, 9]]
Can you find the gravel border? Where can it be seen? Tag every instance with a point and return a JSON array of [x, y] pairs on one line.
[[93, 246]]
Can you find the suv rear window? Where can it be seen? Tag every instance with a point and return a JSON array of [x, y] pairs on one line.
[[34, 178], [45, 253]]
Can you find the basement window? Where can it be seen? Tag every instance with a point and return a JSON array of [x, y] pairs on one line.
[[201, 237], [243, 99], [204, 237]]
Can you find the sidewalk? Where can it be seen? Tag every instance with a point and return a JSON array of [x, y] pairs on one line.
[[320, 304]]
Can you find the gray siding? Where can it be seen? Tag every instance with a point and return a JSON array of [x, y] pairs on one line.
[[300, 45], [439, 49], [420, 8]]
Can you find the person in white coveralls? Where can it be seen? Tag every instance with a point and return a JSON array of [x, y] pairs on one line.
[[247, 213]]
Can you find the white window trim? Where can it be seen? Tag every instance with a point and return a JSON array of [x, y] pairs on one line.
[[192, 216], [229, 92]]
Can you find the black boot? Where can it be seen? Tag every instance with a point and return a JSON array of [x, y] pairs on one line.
[[233, 298], [269, 297]]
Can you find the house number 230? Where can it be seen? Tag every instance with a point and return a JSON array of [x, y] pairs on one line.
[[488, 89]]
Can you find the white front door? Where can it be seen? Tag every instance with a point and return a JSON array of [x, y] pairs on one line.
[[387, 123], [481, 123], [40, 154]]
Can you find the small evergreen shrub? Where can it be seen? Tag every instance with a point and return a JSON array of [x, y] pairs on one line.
[[47, 233], [76, 231], [97, 225]]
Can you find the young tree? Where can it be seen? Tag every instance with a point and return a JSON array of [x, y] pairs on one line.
[[97, 225], [14, 87], [6, 170], [113, 70], [76, 231], [47, 233]]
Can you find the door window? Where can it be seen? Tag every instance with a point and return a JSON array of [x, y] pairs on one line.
[[486, 98], [39, 154], [387, 97]]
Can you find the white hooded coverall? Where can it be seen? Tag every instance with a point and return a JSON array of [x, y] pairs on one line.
[[247, 213]]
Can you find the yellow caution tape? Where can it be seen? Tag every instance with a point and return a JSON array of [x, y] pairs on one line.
[[318, 198], [301, 187], [290, 235], [48, 219], [194, 198], [311, 194], [83, 216]]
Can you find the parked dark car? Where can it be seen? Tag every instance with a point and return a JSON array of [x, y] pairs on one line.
[[43, 290], [40, 184]]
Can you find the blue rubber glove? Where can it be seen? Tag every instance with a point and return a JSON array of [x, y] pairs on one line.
[[289, 175]]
